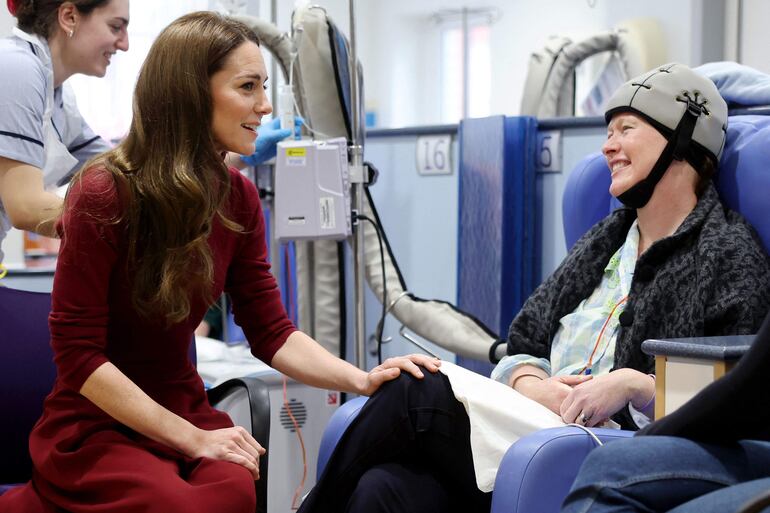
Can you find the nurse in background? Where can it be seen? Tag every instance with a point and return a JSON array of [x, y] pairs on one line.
[[43, 138]]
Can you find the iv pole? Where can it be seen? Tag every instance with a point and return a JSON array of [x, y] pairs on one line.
[[358, 180]]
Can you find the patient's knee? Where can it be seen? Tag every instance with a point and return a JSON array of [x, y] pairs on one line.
[[431, 389], [394, 487]]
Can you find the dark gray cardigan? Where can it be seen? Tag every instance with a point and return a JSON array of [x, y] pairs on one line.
[[711, 277]]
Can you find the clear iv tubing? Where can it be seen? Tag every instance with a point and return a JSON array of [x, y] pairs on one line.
[[294, 99]]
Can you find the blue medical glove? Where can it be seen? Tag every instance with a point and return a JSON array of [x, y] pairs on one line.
[[268, 136]]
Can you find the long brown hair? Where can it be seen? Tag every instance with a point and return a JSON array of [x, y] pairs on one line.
[[168, 170]]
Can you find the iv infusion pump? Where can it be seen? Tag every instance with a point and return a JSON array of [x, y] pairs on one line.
[[312, 190]]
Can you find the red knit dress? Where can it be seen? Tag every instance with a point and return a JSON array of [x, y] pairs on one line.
[[85, 461]]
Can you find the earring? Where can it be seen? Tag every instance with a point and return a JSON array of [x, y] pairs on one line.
[[71, 33]]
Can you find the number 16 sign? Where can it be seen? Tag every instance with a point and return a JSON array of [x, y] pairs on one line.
[[433, 155]]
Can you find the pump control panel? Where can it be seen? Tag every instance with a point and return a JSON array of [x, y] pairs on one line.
[[312, 190]]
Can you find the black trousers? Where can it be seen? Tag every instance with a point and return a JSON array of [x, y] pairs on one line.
[[407, 451]]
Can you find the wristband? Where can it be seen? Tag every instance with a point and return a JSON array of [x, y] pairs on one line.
[[513, 383]]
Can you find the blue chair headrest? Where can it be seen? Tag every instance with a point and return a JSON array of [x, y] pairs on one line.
[[743, 181]]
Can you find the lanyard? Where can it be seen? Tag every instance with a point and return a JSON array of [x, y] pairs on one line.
[[588, 367]]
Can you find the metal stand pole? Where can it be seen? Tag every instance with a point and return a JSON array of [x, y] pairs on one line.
[[358, 180], [275, 246], [359, 278]]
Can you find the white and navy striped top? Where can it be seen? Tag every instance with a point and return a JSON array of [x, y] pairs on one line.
[[23, 89]]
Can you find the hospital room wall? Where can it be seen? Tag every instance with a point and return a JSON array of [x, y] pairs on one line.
[[6, 22], [402, 77], [753, 39], [400, 46], [419, 215]]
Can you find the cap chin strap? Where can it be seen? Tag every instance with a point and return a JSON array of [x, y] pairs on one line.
[[677, 148]]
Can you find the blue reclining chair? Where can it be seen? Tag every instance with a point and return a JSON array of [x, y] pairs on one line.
[[538, 470], [27, 374]]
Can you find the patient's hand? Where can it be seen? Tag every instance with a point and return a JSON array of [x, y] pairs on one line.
[[549, 392], [605, 395]]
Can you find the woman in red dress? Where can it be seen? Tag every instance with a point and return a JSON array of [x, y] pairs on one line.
[[151, 232]]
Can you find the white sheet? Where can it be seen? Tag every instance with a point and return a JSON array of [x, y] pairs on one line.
[[499, 416]]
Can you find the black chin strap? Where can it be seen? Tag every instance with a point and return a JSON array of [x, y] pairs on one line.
[[678, 148]]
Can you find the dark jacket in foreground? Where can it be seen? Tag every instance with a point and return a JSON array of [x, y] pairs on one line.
[[711, 277]]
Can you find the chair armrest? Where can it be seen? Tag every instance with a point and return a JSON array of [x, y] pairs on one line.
[[247, 402], [685, 366], [757, 504], [538, 470], [337, 425], [722, 348]]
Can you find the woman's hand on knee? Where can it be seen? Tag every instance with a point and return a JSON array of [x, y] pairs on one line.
[[392, 367], [234, 444]]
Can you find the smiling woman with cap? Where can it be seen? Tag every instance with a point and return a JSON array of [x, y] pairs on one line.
[[716, 454], [665, 133]]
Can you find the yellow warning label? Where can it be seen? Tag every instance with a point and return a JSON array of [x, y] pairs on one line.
[[296, 152]]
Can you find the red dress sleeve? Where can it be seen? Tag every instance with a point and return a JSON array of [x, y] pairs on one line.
[[80, 308], [257, 305]]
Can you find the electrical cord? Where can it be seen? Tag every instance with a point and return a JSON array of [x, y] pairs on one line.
[[298, 431], [381, 323], [589, 432]]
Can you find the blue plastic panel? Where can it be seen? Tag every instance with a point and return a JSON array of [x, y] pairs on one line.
[[497, 265]]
